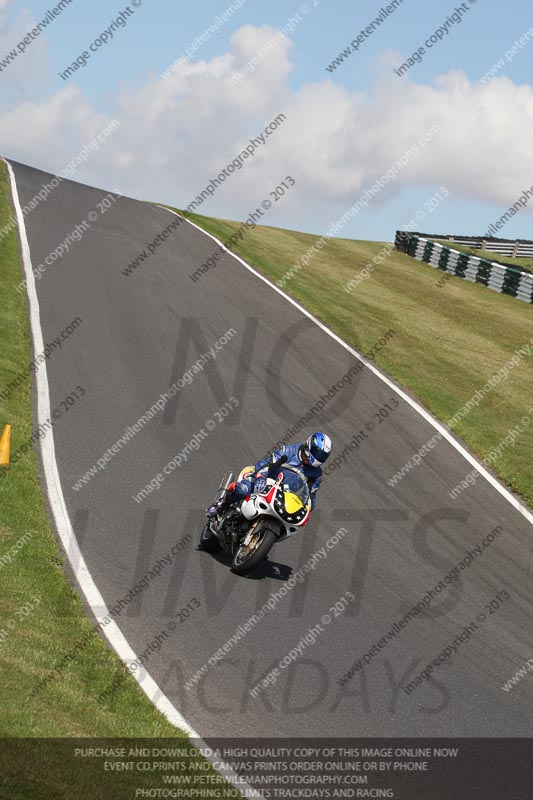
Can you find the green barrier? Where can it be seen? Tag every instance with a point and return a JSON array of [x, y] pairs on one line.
[[516, 283]]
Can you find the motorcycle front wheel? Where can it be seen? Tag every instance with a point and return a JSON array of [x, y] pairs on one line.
[[247, 557]]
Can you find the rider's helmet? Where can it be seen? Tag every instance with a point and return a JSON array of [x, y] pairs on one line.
[[317, 448]]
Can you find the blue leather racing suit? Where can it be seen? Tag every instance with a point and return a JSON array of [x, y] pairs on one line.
[[313, 474]]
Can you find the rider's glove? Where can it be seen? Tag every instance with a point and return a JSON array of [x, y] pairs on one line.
[[275, 463]]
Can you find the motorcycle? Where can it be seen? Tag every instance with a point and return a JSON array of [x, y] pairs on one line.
[[277, 507]]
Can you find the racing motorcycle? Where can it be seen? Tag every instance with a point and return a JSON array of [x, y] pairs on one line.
[[278, 505]]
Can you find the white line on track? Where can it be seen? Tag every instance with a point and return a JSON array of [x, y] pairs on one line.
[[420, 409], [56, 498], [112, 632]]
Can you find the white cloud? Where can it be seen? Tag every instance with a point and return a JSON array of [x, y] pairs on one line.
[[5, 6], [178, 133], [26, 75]]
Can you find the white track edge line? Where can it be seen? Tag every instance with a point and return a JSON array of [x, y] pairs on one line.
[[413, 403], [112, 632]]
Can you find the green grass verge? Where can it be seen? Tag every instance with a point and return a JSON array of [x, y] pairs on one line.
[[32, 644], [448, 340], [489, 255]]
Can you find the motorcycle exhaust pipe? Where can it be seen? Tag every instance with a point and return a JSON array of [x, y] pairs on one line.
[[222, 489]]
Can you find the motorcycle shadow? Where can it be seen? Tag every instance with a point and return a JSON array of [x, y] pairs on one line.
[[266, 569]]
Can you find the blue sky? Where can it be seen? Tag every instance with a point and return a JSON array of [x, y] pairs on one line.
[[476, 157], [160, 31]]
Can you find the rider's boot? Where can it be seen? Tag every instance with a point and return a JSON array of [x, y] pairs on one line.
[[220, 505], [214, 510]]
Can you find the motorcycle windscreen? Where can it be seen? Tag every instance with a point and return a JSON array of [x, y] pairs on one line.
[[292, 497]]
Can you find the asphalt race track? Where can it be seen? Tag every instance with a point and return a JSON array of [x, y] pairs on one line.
[[139, 334]]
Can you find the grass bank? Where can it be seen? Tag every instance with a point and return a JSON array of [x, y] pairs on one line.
[[449, 341]]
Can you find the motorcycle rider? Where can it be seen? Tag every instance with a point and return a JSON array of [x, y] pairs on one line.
[[308, 456]]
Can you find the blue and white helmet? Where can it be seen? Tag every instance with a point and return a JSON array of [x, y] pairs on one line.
[[317, 448]]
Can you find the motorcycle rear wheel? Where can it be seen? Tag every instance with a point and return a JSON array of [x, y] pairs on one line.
[[208, 540], [247, 557]]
